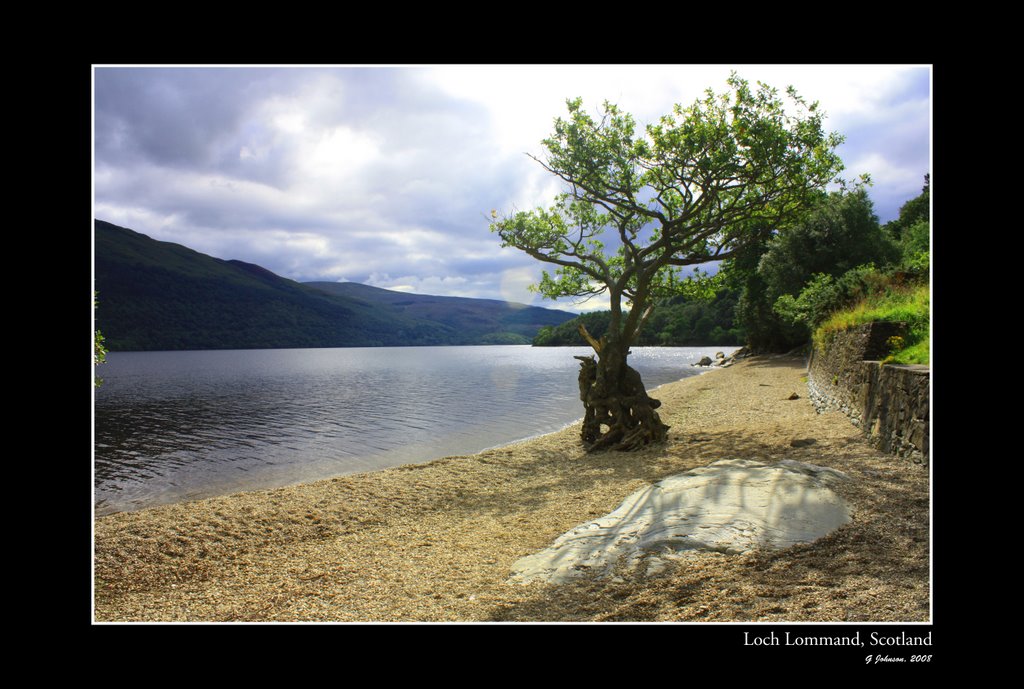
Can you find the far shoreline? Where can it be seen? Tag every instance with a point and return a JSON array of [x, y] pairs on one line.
[[412, 346]]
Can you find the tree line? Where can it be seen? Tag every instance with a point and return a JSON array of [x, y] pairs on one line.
[[773, 294], [837, 255]]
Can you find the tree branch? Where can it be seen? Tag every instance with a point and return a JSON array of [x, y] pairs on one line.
[[597, 345]]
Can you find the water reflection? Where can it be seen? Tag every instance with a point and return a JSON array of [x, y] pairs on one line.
[[172, 426]]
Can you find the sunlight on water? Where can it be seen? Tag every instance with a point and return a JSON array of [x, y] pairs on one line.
[[174, 426]]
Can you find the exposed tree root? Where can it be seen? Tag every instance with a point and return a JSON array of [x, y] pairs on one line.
[[620, 404]]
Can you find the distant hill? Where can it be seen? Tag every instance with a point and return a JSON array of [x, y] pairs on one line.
[[487, 321], [157, 295]]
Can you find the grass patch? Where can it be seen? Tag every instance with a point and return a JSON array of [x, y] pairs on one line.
[[910, 305], [916, 354]]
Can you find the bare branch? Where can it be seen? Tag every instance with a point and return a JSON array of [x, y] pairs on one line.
[[597, 345]]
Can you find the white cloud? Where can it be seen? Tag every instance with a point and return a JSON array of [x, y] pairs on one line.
[[600, 302], [445, 286], [515, 284], [884, 173], [335, 155]]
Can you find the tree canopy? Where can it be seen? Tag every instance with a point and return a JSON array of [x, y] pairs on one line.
[[841, 233], [912, 229], [697, 186], [690, 189], [836, 254]]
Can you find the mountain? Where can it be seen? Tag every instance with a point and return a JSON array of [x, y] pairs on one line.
[[157, 295]]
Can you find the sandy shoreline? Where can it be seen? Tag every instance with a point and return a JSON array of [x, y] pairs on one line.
[[436, 541]]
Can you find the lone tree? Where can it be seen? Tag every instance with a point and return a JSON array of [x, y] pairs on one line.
[[698, 186]]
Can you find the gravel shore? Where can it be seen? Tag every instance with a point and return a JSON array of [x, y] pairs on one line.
[[436, 542]]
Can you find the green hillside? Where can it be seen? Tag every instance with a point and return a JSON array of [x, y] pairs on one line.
[[157, 295]]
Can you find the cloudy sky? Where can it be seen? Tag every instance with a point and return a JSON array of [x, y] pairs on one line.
[[386, 175]]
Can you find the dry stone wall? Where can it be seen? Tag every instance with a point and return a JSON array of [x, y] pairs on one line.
[[890, 403]]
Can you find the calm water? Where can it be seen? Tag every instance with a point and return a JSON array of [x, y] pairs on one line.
[[174, 426]]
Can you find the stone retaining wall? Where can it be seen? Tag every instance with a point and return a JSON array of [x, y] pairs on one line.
[[889, 403]]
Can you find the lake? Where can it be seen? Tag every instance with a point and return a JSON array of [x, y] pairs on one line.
[[174, 426]]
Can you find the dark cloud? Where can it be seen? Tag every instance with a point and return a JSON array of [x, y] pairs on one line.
[[168, 116]]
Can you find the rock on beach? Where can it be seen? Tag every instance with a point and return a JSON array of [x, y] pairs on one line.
[[729, 506]]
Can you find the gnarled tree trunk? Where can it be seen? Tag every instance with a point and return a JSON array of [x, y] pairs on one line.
[[619, 413]]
